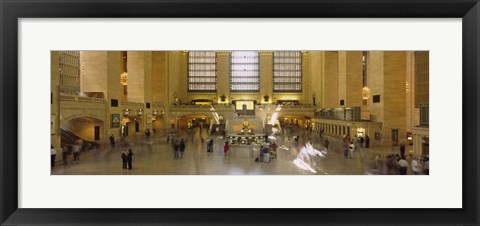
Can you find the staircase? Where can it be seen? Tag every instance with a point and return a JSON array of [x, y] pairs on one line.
[[69, 138]]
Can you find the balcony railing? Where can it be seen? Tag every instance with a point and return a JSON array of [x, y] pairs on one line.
[[346, 114], [79, 99]]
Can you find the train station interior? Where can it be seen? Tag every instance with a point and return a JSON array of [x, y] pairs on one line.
[[240, 112]]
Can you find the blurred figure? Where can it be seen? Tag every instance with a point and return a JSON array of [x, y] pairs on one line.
[[346, 140], [367, 141], [266, 154], [130, 159], [76, 149], [326, 143], [426, 165], [112, 141], [225, 148], [65, 154], [308, 152], [273, 148], [351, 147], [402, 149], [415, 166], [182, 147], [402, 166], [176, 147], [124, 158], [53, 154]]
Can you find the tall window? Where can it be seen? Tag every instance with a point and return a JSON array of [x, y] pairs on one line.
[[202, 71], [287, 71], [69, 69], [421, 78], [244, 75]]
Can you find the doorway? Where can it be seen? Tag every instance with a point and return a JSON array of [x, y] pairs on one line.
[[97, 133]]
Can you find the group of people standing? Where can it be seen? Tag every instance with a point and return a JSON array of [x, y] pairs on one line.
[[350, 146], [178, 146], [127, 159], [75, 149]]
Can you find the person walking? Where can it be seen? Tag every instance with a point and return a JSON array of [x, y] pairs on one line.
[[210, 145], [402, 149], [130, 159], [351, 147], [112, 141], [273, 148], [402, 166], [266, 154], [176, 147], [346, 140], [415, 166], [76, 152], [367, 141], [124, 159], [426, 166], [182, 147], [65, 154], [53, 154], [226, 148]]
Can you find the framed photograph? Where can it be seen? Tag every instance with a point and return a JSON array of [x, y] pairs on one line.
[[115, 120], [447, 31], [149, 118]]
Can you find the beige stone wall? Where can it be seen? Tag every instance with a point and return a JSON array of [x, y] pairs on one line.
[[329, 88], [316, 78], [54, 106], [395, 93], [375, 82], [354, 79], [266, 77], [93, 78], [223, 76], [342, 77], [159, 77], [138, 75], [114, 62], [306, 97]]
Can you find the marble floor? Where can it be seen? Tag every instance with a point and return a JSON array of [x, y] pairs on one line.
[[154, 156]]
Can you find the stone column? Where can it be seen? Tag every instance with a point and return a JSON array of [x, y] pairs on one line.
[[55, 104], [329, 87], [223, 76], [316, 78], [266, 77]]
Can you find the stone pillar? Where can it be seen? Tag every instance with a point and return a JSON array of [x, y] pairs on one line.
[[223, 76], [114, 62], [55, 135], [316, 78], [100, 72], [350, 80], [266, 77], [306, 82], [329, 87], [395, 93], [387, 78], [159, 77], [139, 64]]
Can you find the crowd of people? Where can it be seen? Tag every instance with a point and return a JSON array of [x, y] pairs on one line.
[[302, 148]]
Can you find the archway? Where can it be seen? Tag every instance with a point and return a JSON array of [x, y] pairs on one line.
[[87, 129]]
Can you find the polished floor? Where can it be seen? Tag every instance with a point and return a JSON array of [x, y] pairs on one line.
[[154, 156]]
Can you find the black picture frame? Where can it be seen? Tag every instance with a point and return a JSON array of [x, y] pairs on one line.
[[11, 11]]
